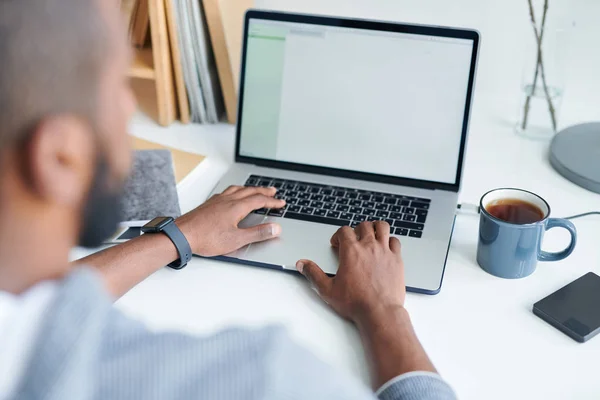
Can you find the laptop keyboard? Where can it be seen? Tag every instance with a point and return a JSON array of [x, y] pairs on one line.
[[341, 206]]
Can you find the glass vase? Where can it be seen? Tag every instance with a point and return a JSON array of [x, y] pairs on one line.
[[543, 79]]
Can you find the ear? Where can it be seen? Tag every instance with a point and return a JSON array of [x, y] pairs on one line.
[[61, 159]]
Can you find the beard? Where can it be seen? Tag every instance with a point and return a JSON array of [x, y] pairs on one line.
[[103, 208]]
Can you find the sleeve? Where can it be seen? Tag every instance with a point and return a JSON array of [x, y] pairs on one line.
[[416, 386], [261, 364]]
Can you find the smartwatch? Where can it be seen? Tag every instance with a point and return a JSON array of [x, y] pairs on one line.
[[167, 226]]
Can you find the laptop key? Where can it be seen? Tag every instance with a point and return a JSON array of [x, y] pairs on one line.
[[382, 214], [347, 216], [360, 218], [317, 204], [317, 219], [401, 231], [328, 206], [356, 210], [390, 201], [415, 234], [333, 214], [417, 204], [404, 203], [396, 215], [303, 202], [421, 219], [369, 204], [351, 195], [397, 209], [339, 193], [420, 211], [377, 199], [315, 190], [307, 210], [409, 225], [317, 197], [327, 192], [276, 212], [342, 207], [303, 195], [355, 203], [408, 210], [354, 224], [330, 199], [289, 186], [409, 217], [342, 201], [294, 208], [381, 206], [365, 197], [390, 221], [320, 213], [302, 188], [368, 212]]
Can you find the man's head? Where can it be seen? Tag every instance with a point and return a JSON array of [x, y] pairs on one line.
[[64, 106]]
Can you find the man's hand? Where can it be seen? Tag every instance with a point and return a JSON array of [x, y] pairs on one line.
[[370, 278], [369, 290], [212, 229]]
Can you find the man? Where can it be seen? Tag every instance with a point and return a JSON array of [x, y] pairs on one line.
[[64, 153]]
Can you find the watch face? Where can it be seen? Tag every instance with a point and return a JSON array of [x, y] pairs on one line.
[[157, 224]]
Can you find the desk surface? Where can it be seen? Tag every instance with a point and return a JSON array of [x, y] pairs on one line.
[[479, 331]]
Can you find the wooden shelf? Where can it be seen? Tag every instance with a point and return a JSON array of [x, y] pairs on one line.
[[143, 64]]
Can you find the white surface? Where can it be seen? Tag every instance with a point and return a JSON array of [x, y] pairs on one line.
[[479, 331], [408, 92], [20, 320]]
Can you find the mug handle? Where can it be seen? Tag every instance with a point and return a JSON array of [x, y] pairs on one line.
[[560, 223]]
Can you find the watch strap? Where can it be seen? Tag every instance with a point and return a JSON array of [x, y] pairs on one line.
[[181, 243]]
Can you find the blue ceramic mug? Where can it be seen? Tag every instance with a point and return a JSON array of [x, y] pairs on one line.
[[511, 250]]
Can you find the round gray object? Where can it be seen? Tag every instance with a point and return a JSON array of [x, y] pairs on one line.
[[575, 154]]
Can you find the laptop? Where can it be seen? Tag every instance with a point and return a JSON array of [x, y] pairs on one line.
[[352, 121]]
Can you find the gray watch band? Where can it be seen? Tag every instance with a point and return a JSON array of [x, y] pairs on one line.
[[181, 243]]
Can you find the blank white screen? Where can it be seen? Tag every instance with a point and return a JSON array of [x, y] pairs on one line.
[[376, 102]]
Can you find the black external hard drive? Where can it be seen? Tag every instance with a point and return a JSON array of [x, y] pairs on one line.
[[574, 309]]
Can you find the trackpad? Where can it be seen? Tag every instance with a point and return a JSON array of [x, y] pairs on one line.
[[298, 240]]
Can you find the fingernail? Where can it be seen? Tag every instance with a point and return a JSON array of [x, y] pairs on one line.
[[300, 266], [275, 230]]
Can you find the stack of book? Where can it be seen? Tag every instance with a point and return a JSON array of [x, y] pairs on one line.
[[185, 63]]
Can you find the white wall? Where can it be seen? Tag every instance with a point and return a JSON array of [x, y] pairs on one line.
[[503, 25]]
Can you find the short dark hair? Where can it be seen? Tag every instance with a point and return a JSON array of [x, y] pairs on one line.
[[51, 58]]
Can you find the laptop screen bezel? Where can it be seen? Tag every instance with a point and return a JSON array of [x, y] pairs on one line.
[[370, 25]]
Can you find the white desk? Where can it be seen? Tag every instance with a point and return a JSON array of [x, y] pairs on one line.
[[479, 331]]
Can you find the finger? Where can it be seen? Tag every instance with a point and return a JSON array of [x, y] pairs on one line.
[[232, 189], [343, 235], [395, 245], [259, 233], [257, 201], [315, 276], [382, 231], [251, 191], [365, 231]]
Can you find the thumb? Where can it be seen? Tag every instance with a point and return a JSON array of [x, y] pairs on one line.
[[260, 233], [315, 276]]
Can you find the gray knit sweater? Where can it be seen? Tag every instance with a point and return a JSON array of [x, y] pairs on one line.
[[89, 350]]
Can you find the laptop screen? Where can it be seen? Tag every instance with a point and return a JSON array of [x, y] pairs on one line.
[[364, 100]]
